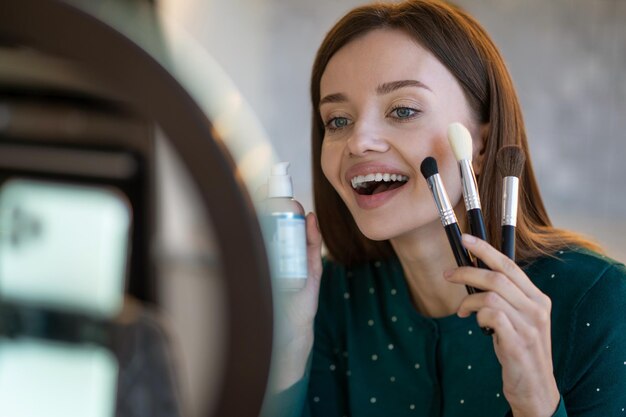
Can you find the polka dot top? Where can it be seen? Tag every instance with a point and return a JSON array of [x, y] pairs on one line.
[[375, 355]]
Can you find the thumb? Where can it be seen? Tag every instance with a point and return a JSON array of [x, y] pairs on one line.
[[314, 246]]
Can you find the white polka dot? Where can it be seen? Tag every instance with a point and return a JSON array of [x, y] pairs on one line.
[[370, 322], [624, 362], [588, 324], [417, 366], [393, 291], [316, 399], [469, 332], [412, 406], [377, 264], [390, 346], [561, 252], [332, 367], [392, 379], [373, 400], [374, 357], [552, 276], [371, 290], [469, 366], [348, 373], [410, 328], [346, 295], [462, 401], [498, 395], [394, 318], [598, 389]]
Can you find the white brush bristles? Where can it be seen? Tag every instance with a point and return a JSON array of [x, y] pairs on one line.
[[460, 140]]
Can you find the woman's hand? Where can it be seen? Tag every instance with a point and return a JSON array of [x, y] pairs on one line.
[[519, 314], [295, 314]]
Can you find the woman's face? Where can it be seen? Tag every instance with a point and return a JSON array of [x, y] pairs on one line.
[[386, 103]]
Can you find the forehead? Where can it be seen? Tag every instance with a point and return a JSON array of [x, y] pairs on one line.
[[380, 56]]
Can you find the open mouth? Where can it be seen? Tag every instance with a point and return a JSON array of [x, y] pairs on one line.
[[377, 183]]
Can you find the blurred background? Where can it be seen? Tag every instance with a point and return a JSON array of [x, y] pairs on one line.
[[567, 59], [247, 65]]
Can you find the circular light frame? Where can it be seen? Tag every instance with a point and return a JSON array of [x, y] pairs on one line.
[[60, 28]]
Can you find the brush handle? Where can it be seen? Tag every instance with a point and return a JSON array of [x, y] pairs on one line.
[[462, 259], [461, 255], [477, 228], [508, 241]]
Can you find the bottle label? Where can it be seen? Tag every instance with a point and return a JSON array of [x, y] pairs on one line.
[[286, 238]]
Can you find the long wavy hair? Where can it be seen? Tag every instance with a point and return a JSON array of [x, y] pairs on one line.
[[462, 45]]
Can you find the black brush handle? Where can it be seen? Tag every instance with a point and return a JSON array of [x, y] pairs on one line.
[[508, 241], [477, 228], [461, 255]]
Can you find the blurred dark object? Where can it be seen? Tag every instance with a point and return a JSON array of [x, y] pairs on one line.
[[79, 102]]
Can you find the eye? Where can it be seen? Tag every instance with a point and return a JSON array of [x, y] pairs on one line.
[[403, 113], [337, 123]]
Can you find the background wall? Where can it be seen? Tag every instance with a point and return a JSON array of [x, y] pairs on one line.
[[567, 58]]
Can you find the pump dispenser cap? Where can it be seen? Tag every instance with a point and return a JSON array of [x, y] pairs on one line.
[[279, 184]]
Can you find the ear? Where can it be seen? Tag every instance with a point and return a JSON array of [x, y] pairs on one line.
[[479, 147]]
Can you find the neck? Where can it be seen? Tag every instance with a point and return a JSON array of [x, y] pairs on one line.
[[425, 254]]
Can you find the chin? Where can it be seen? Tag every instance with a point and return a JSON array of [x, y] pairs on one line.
[[388, 227], [381, 230]]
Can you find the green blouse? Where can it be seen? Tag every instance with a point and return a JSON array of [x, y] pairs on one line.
[[375, 355]]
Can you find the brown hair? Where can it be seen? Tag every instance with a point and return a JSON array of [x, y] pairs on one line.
[[463, 46]]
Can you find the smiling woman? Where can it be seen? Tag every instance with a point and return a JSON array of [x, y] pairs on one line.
[[389, 112], [392, 335]]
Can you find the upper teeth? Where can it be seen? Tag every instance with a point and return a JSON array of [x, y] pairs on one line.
[[360, 180]]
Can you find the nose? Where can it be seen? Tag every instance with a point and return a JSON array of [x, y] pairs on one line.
[[366, 138]]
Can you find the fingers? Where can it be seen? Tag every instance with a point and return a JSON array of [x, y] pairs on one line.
[[314, 247], [493, 282], [507, 290], [504, 331], [313, 235], [486, 300], [501, 263]]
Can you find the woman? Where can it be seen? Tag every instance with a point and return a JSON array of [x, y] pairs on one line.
[[395, 332]]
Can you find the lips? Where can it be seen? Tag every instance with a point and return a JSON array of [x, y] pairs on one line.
[[375, 184]]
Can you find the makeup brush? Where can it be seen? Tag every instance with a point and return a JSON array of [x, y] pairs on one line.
[[460, 141], [446, 214], [510, 161], [448, 219]]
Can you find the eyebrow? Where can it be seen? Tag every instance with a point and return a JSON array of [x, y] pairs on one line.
[[382, 89], [387, 88], [334, 98]]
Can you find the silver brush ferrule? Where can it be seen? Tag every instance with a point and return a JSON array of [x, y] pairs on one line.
[[510, 189], [446, 213], [470, 188]]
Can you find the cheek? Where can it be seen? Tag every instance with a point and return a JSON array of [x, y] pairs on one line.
[[330, 162]]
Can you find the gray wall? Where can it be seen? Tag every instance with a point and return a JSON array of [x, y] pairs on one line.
[[566, 57]]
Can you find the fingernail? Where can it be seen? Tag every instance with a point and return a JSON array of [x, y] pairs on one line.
[[468, 238], [314, 219], [448, 273]]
